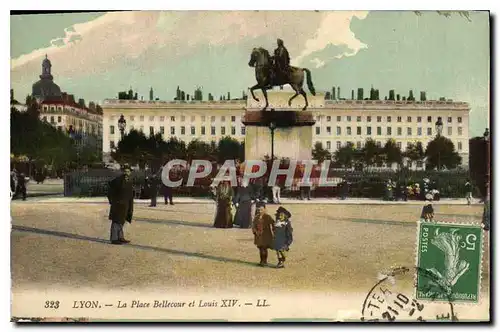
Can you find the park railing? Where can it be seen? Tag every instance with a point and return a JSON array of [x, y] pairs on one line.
[[367, 183]]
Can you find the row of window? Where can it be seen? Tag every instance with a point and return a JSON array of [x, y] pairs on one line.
[[183, 118], [359, 145], [388, 118], [77, 111], [72, 120], [183, 130], [318, 118], [409, 131]]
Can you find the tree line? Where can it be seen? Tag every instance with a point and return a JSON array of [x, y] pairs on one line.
[[153, 151], [38, 146], [439, 154]]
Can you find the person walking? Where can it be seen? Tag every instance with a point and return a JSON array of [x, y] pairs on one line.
[[224, 196], [262, 229], [154, 183], [277, 187], [121, 200], [468, 192], [283, 235], [427, 210], [243, 202], [21, 185]]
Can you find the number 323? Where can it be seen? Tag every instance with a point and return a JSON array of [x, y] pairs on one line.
[[52, 304]]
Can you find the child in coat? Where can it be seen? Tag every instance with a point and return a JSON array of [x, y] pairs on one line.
[[427, 211], [283, 234], [262, 228]]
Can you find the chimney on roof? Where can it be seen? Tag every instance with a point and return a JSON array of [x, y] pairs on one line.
[[81, 102], [360, 94], [11, 95], [391, 95], [423, 97]]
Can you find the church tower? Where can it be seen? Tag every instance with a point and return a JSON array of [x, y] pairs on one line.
[[45, 88], [46, 68]]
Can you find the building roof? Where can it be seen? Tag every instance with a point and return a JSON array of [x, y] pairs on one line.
[[45, 88]]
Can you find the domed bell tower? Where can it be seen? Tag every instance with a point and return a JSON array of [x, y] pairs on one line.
[[46, 67]]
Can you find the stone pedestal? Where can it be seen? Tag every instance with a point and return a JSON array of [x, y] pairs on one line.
[[292, 136]]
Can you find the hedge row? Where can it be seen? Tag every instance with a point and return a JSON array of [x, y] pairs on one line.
[[361, 184]]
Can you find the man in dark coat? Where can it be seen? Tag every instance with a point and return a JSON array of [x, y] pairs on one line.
[[121, 199], [21, 185], [281, 61], [154, 183], [167, 190]]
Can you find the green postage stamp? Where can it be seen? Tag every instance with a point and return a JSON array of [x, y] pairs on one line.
[[449, 262]]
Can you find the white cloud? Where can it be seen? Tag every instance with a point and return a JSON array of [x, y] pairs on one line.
[[333, 30], [318, 63], [114, 40]]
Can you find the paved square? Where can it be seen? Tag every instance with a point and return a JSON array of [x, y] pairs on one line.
[[336, 247]]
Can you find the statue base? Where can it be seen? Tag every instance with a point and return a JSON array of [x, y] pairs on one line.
[[292, 134]]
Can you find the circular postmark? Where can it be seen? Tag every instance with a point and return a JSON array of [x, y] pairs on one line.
[[390, 300]]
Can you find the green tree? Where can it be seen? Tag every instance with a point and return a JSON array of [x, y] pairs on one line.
[[132, 149], [414, 152], [175, 149], [392, 153], [320, 154], [228, 148], [39, 141], [440, 153], [345, 156], [371, 153], [197, 149]]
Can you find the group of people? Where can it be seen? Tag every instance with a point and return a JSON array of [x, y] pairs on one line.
[[414, 191], [268, 233], [17, 184]]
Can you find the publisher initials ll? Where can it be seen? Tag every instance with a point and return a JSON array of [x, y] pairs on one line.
[[262, 303]]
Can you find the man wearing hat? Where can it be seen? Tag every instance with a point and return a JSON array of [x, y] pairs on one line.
[[283, 234], [121, 199], [262, 228]]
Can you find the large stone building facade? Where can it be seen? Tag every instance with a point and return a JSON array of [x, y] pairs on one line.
[[337, 121], [62, 111]]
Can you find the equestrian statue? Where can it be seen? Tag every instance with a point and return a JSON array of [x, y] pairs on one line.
[[271, 71]]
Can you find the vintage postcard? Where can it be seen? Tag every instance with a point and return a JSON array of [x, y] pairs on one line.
[[250, 166]]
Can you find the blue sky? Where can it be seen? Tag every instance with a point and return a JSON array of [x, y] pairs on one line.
[[95, 55]]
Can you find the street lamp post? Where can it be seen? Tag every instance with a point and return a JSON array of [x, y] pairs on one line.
[[439, 131], [122, 123], [272, 127], [486, 136]]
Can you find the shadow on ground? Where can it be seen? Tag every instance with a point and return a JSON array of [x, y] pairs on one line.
[[137, 246]]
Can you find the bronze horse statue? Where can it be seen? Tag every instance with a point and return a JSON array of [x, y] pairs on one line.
[[266, 78]]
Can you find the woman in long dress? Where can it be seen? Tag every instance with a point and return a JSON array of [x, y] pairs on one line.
[[224, 196], [243, 202]]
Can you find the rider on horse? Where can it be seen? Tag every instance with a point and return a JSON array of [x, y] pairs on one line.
[[281, 62]]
